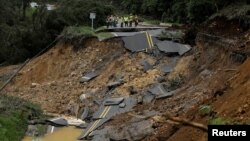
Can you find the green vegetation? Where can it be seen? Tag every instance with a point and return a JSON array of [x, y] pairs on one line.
[[73, 32], [176, 11], [14, 114], [176, 82], [218, 121], [26, 31], [205, 110]]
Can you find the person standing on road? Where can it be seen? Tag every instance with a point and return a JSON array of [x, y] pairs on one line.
[[131, 19], [136, 20], [126, 21], [121, 21], [115, 21], [108, 21]]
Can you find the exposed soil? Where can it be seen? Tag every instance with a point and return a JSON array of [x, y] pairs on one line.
[[210, 75]]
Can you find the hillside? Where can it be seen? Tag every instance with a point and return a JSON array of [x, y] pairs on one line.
[[139, 83]]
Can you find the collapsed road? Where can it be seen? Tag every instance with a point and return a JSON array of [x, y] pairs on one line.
[[117, 85], [100, 102]]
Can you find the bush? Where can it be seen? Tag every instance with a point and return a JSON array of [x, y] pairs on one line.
[[200, 10], [14, 115]]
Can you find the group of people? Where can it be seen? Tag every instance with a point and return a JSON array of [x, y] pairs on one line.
[[124, 21]]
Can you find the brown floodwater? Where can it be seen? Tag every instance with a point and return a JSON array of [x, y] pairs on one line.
[[64, 134]]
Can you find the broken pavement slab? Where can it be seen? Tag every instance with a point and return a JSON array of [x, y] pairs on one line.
[[113, 101], [148, 97], [85, 113], [59, 121], [172, 47], [109, 111], [167, 69], [160, 91], [89, 76], [92, 126], [115, 83], [146, 65], [132, 131], [105, 113], [139, 42]]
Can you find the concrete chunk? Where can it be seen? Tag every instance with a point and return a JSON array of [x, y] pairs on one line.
[[89, 76], [172, 47], [113, 101]]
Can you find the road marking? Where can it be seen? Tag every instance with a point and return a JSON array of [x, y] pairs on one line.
[[105, 109], [52, 129], [92, 127], [109, 107], [151, 40], [148, 39]]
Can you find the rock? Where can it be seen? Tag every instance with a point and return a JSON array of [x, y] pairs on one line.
[[122, 105], [205, 73], [33, 85], [84, 96], [73, 74], [139, 99], [241, 110], [246, 106], [32, 130]]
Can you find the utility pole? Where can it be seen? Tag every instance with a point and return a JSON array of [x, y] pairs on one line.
[[92, 16]]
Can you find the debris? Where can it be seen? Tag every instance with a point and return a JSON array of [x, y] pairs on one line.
[[122, 105], [104, 113], [51, 129], [160, 92], [84, 96], [89, 76], [148, 97], [94, 125], [82, 125], [167, 69], [172, 47], [113, 101], [73, 121], [115, 83], [163, 118], [139, 99], [145, 115], [85, 113], [111, 110], [33, 85], [166, 95], [58, 121], [132, 131], [146, 65]]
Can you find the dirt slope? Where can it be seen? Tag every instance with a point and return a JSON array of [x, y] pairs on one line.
[[211, 74]]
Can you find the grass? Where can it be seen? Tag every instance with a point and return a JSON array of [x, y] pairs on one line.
[[218, 121], [176, 82], [104, 35], [100, 28], [85, 31], [205, 110], [14, 114]]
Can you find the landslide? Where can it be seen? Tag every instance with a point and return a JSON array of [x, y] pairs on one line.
[[52, 79], [215, 74], [221, 69]]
